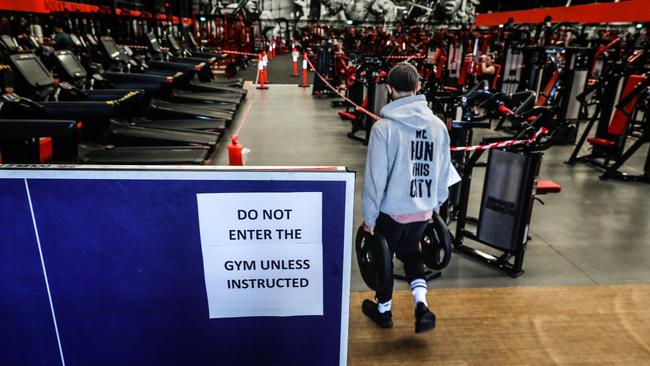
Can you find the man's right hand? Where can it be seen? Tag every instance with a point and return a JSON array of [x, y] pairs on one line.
[[369, 229]]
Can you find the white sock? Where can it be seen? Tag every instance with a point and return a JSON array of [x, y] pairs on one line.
[[419, 290], [384, 306]]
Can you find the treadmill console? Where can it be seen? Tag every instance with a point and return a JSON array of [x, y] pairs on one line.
[[75, 39], [173, 42], [36, 44], [92, 39], [116, 53], [111, 49], [32, 70], [70, 64], [9, 42], [153, 42]]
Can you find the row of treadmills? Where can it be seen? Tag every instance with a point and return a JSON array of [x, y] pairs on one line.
[[101, 103]]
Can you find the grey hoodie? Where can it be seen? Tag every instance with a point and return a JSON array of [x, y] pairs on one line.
[[408, 168]]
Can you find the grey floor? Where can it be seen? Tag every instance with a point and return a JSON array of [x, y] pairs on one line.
[[593, 232]]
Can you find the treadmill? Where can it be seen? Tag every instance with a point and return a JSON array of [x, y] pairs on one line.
[[173, 101], [154, 47], [71, 70], [181, 51], [161, 86], [20, 144], [183, 78], [99, 116], [184, 52]]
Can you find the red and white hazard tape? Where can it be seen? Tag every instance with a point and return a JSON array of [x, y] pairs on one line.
[[493, 145], [357, 107], [500, 144], [136, 47], [139, 47], [165, 49], [404, 57], [239, 53]]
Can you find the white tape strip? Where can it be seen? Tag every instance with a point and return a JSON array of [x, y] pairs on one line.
[[47, 282]]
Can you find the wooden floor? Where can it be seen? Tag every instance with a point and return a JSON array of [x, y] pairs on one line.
[[603, 325]]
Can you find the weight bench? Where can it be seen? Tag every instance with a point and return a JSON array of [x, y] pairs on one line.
[[546, 186], [348, 115], [621, 119]]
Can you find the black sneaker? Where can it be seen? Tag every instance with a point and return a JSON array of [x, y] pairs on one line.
[[425, 320], [384, 320]]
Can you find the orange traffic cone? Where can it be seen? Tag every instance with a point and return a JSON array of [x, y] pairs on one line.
[[261, 75], [304, 71], [294, 58]]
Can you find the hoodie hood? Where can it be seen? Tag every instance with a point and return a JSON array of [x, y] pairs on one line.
[[412, 111]]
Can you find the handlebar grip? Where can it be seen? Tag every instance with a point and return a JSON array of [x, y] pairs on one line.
[[505, 110]]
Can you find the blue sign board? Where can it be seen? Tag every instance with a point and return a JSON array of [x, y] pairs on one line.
[[156, 266]]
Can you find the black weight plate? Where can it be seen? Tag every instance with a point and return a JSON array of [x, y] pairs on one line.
[[436, 244], [373, 257]]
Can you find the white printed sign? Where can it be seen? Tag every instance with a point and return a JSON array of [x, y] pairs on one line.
[[262, 253]]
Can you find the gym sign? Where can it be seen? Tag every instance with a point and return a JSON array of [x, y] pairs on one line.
[[262, 253]]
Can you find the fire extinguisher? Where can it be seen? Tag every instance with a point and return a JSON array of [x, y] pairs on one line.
[[235, 151]]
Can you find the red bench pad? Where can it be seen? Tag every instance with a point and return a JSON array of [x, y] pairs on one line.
[[601, 142], [545, 186], [347, 116]]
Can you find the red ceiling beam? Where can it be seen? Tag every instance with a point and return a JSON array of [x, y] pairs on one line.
[[46, 6], [49, 6], [34, 6], [59, 6], [624, 11]]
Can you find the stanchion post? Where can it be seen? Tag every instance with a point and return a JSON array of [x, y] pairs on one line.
[[305, 65]]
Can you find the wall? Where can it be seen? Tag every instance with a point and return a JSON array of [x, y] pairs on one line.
[[387, 11]]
